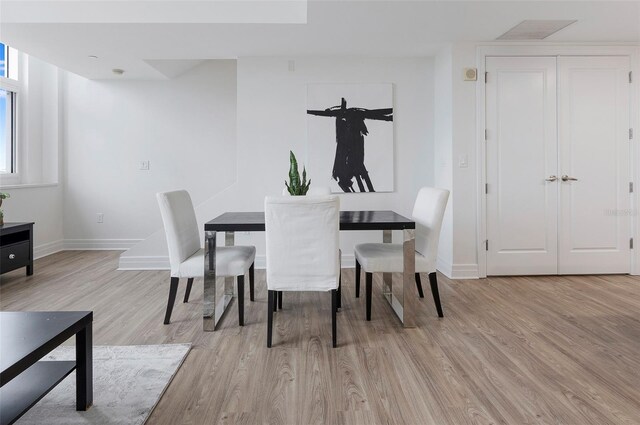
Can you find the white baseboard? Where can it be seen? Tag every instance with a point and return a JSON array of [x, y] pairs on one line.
[[457, 271], [348, 261], [143, 263], [444, 267], [82, 245], [99, 244], [48, 249], [465, 271]]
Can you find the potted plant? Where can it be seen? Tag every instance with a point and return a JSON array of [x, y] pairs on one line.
[[295, 186], [3, 196]]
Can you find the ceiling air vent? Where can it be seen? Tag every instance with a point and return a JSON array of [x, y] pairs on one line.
[[535, 29]]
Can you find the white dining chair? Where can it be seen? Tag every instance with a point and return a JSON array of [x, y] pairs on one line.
[[186, 255], [428, 213], [302, 240], [313, 191]]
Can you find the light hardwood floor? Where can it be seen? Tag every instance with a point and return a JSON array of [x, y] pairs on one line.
[[517, 350]]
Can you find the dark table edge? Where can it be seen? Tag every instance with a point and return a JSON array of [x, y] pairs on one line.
[[11, 224], [30, 359], [260, 227]]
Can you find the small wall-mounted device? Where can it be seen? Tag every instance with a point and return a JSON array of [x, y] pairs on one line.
[[470, 74]]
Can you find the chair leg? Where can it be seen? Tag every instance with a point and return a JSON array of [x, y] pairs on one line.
[[369, 289], [419, 285], [270, 308], [241, 300], [436, 294], [357, 279], [280, 300], [274, 305], [340, 290], [173, 290], [188, 291], [251, 281], [334, 310]]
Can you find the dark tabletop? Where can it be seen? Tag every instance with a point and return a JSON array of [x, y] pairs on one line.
[[349, 220], [7, 225], [27, 336]]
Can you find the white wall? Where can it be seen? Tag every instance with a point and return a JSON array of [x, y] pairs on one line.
[[185, 127], [443, 150], [38, 197], [271, 120], [39, 130], [465, 262]]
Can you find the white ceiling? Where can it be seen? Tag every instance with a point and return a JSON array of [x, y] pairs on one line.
[[333, 28]]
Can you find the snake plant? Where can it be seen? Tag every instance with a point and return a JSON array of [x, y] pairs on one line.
[[295, 186]]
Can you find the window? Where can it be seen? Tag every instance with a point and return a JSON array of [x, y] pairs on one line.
[[8, 100], [7, 132]]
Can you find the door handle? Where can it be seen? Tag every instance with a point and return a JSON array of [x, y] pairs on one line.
[[566, 178], [551, 179]]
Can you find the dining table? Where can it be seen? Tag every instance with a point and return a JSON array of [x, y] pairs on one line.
[[402, 301]]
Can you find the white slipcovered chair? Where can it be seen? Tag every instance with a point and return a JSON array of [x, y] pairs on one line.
[[428, 213], [313, 191], [187, 256], [302, 240]]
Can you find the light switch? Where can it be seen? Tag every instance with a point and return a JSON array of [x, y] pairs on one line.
[[144, 165], [462, 161]]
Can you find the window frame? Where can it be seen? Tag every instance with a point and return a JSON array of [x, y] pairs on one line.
[[12, 87]]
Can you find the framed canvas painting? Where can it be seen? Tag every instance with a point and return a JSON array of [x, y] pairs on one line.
[[350, 136]]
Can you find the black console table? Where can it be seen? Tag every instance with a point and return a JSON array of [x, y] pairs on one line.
[[26, 337], [16, 247]]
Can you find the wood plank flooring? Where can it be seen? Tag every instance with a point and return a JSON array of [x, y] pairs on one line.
[[516, 350]]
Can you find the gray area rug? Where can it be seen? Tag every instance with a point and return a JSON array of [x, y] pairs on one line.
[[128, 381]]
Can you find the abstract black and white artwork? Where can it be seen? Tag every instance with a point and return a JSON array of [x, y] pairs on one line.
[[350, 133]]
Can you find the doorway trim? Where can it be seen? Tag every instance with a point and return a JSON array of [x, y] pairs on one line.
[[555, 50]]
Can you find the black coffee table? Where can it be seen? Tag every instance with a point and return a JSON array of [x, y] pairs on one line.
[[26, 337]]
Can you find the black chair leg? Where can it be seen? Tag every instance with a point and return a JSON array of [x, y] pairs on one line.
[[369, 289], [188, 291], [334, 310], [419, 285], [251, 280], [280, 300], [436, 294], [274, 305], [173, 290], [340, 290], [357, 279], [241, 300], [270, 308]]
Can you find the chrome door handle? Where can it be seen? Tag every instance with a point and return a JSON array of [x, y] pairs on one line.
[[566, 178], [551, 179]]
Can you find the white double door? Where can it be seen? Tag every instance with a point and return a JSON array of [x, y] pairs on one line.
[[557, 165]]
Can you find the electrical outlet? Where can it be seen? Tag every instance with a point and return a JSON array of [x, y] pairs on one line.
[[144, 165], [100, 218]]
